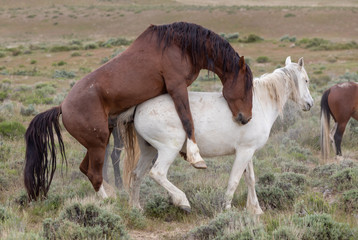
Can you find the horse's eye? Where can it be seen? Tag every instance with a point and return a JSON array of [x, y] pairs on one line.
[[306, 81]]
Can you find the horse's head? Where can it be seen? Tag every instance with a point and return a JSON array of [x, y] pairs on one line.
[[237, 91], [302, 94]]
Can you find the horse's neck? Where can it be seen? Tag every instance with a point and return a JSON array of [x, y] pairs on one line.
[[271, 92]]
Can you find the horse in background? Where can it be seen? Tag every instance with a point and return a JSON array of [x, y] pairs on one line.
[[340, 101], [163, 59], [159, 132]]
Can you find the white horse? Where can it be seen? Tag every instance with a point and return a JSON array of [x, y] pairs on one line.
[[160, 132]]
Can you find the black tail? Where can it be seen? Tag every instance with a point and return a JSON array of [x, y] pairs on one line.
[[40, 142], [325, 119], [324, 105]]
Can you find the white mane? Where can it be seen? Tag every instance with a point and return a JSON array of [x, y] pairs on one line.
[[280, 85]]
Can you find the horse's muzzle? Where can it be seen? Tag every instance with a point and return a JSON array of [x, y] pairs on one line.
[[307, 106], [241, 119]]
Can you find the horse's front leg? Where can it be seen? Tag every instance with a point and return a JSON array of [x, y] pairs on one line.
[[252, 203], [180, 98], [242, 158]]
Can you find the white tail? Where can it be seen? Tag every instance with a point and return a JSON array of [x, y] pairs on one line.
[[132, 151], [324, 135]]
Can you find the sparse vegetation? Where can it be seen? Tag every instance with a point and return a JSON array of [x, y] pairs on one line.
[[251, 38], [83, 222], [11, 129], [323, 44], [262, 59], [43, 57]]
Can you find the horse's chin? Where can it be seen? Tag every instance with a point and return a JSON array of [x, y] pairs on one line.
[[241, 121], [306, 107]]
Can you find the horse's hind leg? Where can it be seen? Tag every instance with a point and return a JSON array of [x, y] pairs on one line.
[[331, 136], [179, 94], [84, 164], [338, 137], [159, 172], [105, 164], [96, 159], [252, 203], [116, 154], [145, 162]]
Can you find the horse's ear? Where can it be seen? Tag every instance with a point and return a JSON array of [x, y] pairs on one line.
[[288, 60], [300, 62], [242, 64]]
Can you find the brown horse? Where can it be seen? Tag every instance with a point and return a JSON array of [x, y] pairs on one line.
[[340, 101], [163, 59]]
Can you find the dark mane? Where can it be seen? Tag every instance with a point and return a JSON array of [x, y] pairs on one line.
[[192, 40]]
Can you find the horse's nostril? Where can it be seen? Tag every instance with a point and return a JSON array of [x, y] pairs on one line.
[[239, 117]]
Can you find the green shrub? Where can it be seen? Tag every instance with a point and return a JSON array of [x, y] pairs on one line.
[[2, 54], [205, 200], [43, 94], [262, 59], [21, 199], [160, 207], [350, 200], [28, 111], [349, 77], [293, 166], [90, 46], [50, 205], [75, 54], [287, 15], [297, 180], [4, 215], [26, 72], [278, 192], [313, 203], [135, 219], [345, 179], [322, 226], [60, 63], [267, 179], [3, 95], [64, 48], [4, 181], [15, 51], [4, 152], [284, 233], [116, 42], [12, 129], [322, 44], [84, 222], [63, 74], [230, 36], [272, 198], [229, 225], [251, 39], [287, 38]]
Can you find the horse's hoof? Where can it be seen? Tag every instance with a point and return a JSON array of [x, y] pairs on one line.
[[185, 208], [200, 165]]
